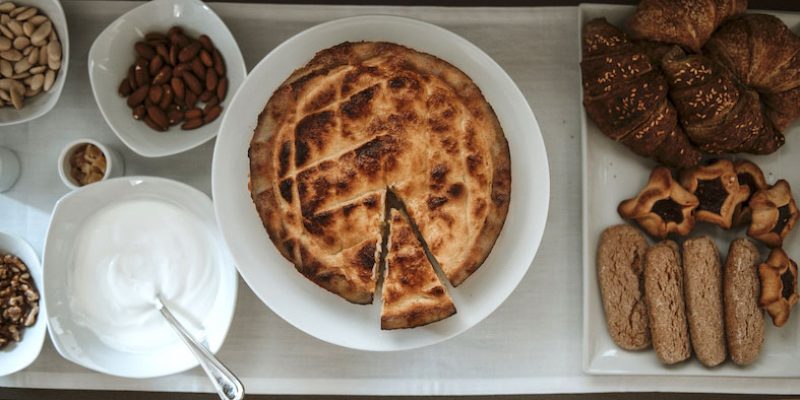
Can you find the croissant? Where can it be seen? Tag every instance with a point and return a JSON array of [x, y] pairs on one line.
[[626, 96], [718, 114], [688, 23], [765, 55]]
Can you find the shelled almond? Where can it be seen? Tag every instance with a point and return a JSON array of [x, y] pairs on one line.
[[30, 54], [175, 80]]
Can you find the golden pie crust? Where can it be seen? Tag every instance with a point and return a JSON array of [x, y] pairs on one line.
[[412, 294], [362, 119]]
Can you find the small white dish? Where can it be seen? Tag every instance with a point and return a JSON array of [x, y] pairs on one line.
[[44, 102], [9, 168], [318, 312], [17, 356], [112, 53], [611, 174], [78, 343], [115, 166]]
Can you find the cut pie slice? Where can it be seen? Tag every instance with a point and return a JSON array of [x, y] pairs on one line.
[[412, 293]]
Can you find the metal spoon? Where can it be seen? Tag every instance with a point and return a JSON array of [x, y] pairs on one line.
[[225, 382]]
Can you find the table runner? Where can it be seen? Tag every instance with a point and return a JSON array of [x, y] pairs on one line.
[[531, 344]]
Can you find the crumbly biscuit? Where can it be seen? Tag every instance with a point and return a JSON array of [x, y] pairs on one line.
[[744, 320], [620, 263], [703, 295], [663, 288]]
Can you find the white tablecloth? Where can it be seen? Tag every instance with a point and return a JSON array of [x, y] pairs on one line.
[[531, 344]]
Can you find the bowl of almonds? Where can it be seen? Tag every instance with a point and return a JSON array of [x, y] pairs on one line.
[[162, 74], [23, 326], [34, 52]]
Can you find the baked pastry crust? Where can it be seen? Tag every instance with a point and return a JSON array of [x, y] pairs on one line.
[[765, 55], [361, 118], [717, 188], [774, 214], [718, 114], [688, 23], [778, 286], [750, 175], [626, 96], [662, 207], [412, 293]]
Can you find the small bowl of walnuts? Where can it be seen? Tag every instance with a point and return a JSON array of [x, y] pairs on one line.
[[86, 161], [22, 318]]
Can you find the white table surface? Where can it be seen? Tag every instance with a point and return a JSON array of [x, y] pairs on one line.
[[531, 344]]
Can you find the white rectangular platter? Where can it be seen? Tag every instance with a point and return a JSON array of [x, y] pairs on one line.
[[611, 174]]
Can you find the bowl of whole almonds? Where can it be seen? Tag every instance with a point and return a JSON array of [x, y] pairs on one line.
[[162, 74], [34, 53]]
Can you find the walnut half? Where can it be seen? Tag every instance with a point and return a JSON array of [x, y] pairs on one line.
[[19, 299]]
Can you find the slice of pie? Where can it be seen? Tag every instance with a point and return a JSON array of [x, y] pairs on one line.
[[412, 293], [361, 119]]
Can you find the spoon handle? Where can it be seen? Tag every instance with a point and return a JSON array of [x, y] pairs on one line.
[[225, 382]]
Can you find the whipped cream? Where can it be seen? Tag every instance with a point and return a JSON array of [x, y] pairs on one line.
[[127, 253]]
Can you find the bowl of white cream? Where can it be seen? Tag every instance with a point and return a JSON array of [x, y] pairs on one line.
[[111, 248]]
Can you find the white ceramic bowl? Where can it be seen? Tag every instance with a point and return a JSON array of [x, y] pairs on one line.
[[17, 356], [44, 102], [115, 166], [318, 312], [112, 53], [78, 343]]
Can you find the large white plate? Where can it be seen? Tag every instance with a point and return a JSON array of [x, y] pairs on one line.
[[81, 345], [322, 314], [611, 173]]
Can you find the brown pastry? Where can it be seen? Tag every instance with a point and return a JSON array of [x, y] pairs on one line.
[[688, 23], [765, 55], [702, 271], [718, 114], [662, 207], [663, 292], [750, 175], [620, 265], [778, 286], [626, 96], [774, 214], [718, 190], [744, 320]]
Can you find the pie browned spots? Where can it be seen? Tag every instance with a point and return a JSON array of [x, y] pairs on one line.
[[364, 119]]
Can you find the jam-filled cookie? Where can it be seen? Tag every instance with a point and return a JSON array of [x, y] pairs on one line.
[[662, 207], [778, 286], [774, 214], [717, 188], [749, 175]]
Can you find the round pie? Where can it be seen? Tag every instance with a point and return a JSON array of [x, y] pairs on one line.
[[368, 127]]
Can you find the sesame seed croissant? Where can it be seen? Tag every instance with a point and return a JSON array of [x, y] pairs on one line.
[[719, 114], [765, 55], [626, 96], [688, 23]]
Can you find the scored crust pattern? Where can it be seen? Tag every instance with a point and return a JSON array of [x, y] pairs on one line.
[[361, 119]]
